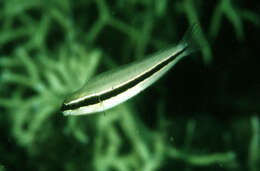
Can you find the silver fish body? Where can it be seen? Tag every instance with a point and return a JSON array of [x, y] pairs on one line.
[[116, 86]]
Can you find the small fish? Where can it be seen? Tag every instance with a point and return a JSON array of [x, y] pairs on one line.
[[116, 86]]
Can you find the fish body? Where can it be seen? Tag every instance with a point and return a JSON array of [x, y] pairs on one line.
[[116, 86]]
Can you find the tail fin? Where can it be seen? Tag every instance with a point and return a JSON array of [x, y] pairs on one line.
[[190, 39]]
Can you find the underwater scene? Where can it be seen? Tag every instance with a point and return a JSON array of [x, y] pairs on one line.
[[202, 115]]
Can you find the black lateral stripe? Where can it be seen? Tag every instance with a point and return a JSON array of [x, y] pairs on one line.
[[112, 93]]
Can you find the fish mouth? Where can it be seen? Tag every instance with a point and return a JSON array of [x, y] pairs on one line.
[[66, 112]]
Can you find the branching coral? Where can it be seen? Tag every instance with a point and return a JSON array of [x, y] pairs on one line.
[[148, 151], [48, 80], [235, 15]]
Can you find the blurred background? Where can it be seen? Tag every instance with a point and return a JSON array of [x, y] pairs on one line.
[[202, 115]]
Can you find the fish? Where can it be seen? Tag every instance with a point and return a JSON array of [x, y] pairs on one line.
[[114, 87]]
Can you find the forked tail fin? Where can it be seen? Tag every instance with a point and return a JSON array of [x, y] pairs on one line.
[[190, 39]]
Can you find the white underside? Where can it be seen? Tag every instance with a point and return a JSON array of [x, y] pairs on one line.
[[106, 104]]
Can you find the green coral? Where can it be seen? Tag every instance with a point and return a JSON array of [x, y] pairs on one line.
[[47, 51], [48, 80]]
